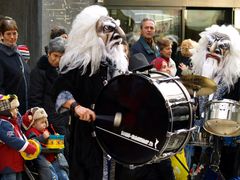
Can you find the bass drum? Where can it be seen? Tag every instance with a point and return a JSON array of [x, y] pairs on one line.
[[156, 118]]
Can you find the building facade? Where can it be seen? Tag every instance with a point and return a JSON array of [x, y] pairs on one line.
[[181, 19]]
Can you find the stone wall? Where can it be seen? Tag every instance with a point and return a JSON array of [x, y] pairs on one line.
[[60, 12], [35, 18]]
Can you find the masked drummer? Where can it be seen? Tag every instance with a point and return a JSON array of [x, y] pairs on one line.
[[218, 58], [93, 55], [12, 140], [49, 165]]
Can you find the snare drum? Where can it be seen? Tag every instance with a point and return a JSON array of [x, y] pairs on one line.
[[222, 118], [156, 117]]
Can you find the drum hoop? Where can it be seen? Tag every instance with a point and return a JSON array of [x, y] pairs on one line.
[[230, 101]]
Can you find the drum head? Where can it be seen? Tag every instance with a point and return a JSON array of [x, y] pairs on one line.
[[142, 132], [224, 128]]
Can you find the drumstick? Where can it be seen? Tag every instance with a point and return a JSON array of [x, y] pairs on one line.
[[116, 119]]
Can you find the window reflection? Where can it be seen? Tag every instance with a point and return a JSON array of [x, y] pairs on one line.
[[196, 20], [167, 21]]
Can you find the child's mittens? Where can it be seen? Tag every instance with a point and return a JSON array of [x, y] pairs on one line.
[[31, 149], [46, 134]]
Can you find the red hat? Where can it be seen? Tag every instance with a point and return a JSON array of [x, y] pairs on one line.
[[157, 63]]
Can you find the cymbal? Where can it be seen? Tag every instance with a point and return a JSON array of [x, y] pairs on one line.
[[200, 85]]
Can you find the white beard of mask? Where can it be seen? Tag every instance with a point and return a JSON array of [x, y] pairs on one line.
[[210, 68], [118, 58]]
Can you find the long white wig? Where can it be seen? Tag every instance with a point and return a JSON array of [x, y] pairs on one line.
[[228, 70], [84, 46]]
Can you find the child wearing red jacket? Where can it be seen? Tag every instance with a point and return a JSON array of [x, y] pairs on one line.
[[50, 165], [12, 140]]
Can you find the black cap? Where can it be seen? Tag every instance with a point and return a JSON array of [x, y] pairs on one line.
[[138, 62]]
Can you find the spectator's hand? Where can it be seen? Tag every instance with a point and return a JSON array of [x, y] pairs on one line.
[[85, 114], [183, 66]]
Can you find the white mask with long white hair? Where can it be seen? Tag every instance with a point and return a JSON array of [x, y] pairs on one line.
[[94, 37], [217, 55]]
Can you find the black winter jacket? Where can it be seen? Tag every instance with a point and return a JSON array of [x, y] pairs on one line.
[[85, 154], [42, 78], [14, 75]]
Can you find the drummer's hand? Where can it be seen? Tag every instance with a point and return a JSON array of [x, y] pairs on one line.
[[85, 114]]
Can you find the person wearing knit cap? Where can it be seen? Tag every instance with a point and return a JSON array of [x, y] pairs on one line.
[[35, 123], [24, 51], [12, 140], [34, 115], [161, 65]]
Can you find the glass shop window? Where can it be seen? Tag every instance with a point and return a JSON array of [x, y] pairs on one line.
[[168, 21], [196, 20]]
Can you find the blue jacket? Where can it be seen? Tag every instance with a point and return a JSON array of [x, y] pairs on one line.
[[141, 46]]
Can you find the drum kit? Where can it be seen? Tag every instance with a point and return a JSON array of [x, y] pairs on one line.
[[157, 114]]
